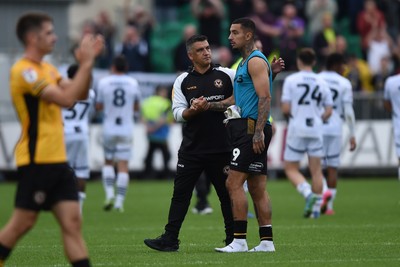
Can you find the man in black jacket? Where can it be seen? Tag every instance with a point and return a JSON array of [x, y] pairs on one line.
[[204, 145]]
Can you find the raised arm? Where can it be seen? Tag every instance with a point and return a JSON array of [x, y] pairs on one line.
[[195, 7], [66, 93]]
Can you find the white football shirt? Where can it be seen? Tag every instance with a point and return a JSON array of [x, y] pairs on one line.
[[118, 94], [341, 93], [392, 94], [76, 118], [307, 95]]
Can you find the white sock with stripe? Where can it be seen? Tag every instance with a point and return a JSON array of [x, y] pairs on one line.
[[122, 186], [108, 176]]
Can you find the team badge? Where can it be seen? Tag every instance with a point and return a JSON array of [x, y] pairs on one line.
[[218, 83], [226, 170], [39, 197], [30, 75]]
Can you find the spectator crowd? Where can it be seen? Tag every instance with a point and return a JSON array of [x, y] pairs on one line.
[[365, 31]]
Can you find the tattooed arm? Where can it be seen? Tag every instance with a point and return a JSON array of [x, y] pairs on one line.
[[258, 70], [222, 105], [201, 103]]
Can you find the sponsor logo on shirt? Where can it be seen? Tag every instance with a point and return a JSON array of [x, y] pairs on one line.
[[215, 97]]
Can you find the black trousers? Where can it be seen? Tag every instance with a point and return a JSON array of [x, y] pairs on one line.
[[202, 188], [189, 169], [153, 147]]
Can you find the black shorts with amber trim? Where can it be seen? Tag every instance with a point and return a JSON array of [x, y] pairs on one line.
[[41, 186], [243, 158]]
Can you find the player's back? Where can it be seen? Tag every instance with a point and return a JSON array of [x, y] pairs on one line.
[[307, 94], [76, 118], [118, 93], [341, 93]]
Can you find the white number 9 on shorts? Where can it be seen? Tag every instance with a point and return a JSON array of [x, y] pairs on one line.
[[235, 153]]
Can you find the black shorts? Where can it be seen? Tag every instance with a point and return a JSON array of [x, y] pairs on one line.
[[40, 186], [243, 159]]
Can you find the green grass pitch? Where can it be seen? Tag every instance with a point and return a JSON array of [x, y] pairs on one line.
[[365, 231]]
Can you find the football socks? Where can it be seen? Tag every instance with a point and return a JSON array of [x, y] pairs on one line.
[[304, 189], [108, 175]]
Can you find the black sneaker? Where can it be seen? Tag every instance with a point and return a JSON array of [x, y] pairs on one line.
[[163, 243], [108, 205]]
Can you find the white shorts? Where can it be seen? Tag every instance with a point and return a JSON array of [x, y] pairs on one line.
[[297, 146], [117, 147], [332, 146], [78, 156]]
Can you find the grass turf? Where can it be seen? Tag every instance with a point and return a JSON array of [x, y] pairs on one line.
[[365, 231]]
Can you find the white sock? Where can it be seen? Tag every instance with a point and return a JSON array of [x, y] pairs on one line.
[[330, 202], [82, 197], [122, 186], [108, 175], [324, 185], [317, 205], [304, 189]]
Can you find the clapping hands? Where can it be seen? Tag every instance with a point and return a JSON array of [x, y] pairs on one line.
[[90, 47], [199, 104]]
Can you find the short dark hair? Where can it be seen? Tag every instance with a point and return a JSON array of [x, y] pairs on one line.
[[31, 21], [247, 24], [71, 71], [307, 56], [120, 64], [333, 60], [194, 39]]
